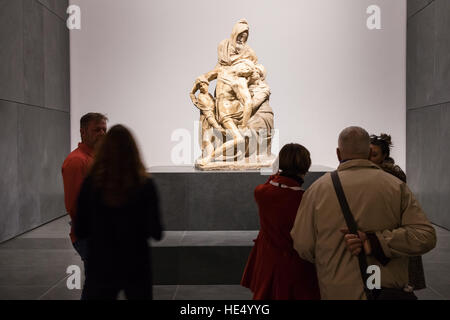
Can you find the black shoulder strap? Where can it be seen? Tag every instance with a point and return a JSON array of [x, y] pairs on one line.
[[352, 227]]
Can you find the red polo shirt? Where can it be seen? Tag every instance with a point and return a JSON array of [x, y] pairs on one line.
[[74, 170]]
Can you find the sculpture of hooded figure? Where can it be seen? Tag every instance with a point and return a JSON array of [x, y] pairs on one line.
[[236, 48], [229, 52]]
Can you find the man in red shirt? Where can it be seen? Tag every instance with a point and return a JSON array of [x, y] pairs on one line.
[[75, 168]]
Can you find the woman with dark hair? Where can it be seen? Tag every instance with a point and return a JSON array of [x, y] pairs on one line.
[[380, 154], [380, 150], [117, 213], [274, 271]]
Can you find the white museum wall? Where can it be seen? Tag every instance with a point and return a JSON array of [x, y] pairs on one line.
[[137, 60]]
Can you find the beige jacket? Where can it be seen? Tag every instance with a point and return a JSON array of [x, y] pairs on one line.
[[380, 203]]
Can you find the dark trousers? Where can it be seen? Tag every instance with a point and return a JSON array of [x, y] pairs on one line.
[[81, 247]]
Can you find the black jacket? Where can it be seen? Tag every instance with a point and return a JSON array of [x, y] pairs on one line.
[[118, 253]]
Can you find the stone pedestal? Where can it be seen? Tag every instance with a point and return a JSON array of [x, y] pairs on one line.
[[211, 219], [215, 200]]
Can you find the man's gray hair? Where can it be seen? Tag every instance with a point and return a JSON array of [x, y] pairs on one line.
[[354, 141], [91, 116]]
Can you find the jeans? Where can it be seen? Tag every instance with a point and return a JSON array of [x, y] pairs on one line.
[[81, 247]]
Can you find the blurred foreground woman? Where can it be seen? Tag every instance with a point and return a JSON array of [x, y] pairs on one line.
[[117, 213], [274, 269]]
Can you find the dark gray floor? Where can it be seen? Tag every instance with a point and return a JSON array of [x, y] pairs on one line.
[[33, 265]]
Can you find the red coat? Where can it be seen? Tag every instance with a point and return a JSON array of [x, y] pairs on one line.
[[274, 270], [74, 170]]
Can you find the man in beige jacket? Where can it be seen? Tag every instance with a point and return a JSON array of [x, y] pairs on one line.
[[392, 223]]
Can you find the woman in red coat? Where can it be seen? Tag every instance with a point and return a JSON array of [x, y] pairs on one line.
[[274, 270]]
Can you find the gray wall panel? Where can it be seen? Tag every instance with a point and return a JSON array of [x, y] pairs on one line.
[[442, 57], [58, 7], [11, 50], [428, 129], [428, 96], [56, 62], [34, 113], [29, 157], [444, 190], [55, 142], [416, 5], [421, 49], [9, 197], [33, 51], [413, 151]]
